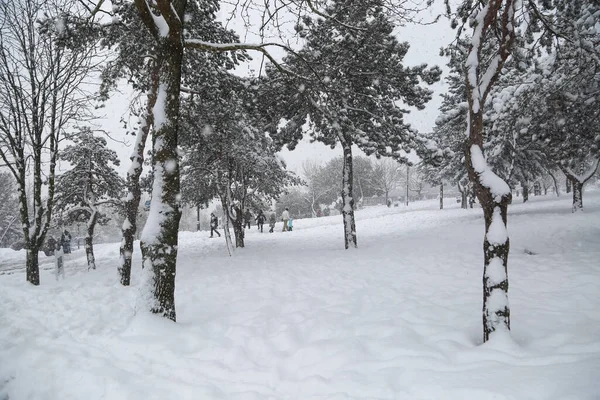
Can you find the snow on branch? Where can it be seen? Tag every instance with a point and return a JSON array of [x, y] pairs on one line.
[[587, 175], [485, 20], [260, 47]]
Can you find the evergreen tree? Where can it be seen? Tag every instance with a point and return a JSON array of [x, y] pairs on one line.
[[350, 79], [89, 184]]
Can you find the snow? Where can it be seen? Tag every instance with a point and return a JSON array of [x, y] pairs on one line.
[[160, 107], [295, 316], [495, 272], [497, 233], [487, 177]]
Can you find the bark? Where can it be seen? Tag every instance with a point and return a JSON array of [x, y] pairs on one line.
[[347, 198], [576, 182], [238, 226], [441, 196], [226, 214], [89, 241], [496, 311], [525, 192], [159, 240], [494, 197], [32, 266], [198, 217], [132, 200], [577, 195]]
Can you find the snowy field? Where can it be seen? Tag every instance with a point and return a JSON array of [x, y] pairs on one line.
[[295, 316]]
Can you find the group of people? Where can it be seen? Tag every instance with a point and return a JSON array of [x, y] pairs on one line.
[[260, 220], [63, 244]]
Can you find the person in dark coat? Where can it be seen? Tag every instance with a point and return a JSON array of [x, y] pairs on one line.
[[260, 220], [65, 241], [272, 220], [50, 246], [247, 218], [214, 222]]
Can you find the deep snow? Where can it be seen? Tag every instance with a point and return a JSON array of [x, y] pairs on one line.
[[295, 316]]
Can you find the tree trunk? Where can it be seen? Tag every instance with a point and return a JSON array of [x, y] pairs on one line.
[[347, 198], [441, 196], [555, 184], [494, 200], [32, 266], [577, 195], [493, 193], [198, 218], [567, 186], [238, 227], [132, 200], [89, 241], [576, 182], [159, 239], [525, 192]]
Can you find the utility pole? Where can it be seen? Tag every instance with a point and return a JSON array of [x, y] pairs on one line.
[[407, 169]]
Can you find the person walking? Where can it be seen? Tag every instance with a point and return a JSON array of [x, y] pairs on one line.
[[247, 218], [260, 220], [50, 246], [272, 220], [214, 222], [65, 241], [285, 216], [290, 224]]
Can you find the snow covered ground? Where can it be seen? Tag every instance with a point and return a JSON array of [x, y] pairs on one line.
[[295, 316]]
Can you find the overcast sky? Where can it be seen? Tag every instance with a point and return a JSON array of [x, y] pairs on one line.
[[425, 41]]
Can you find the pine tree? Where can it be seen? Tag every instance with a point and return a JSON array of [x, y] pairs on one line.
[[89, 184], [350, 78]]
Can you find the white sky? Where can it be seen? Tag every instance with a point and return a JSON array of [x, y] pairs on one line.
[[425, 41]]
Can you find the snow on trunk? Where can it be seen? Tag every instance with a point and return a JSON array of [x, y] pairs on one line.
[[493, 192], [160, 235], [132, 200], [577, 181]]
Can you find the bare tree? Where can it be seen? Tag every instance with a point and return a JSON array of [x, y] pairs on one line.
[[42, 81], [387, 174], [416, 181], [317, 187]]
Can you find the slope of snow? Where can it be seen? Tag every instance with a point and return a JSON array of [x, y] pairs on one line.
[[295, 316]]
